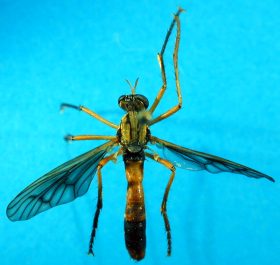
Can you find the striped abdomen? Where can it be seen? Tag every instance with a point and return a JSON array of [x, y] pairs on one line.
[[135, 218]]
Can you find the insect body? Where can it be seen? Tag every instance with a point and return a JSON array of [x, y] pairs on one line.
[[133, 138]]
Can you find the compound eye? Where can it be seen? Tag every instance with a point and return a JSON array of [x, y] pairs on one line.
[[121, 98], [143, 99]]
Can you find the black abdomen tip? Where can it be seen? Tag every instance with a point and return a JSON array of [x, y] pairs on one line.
[[135, 238]]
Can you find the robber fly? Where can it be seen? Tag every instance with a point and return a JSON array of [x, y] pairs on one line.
[[132, 140]]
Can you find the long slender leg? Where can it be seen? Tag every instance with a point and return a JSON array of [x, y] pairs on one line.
[[164, 85], [88, 137], [89, 112], [161, 64], [163, 75], [163, 208], [101, 164]]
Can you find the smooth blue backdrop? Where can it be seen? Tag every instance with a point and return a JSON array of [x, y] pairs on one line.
[[81, 52]]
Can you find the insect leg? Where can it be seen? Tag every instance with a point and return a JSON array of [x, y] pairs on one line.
[[163, 208], [89, 112], [88, 137], [101, 164], [163, 75]]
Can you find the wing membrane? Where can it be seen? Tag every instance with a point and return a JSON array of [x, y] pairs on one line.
[[194, 160], [61, 185]]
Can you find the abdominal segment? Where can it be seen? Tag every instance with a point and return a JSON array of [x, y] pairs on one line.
[[135, 238], [135, 218]]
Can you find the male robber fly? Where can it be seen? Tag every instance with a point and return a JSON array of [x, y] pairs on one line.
[[135, 143]]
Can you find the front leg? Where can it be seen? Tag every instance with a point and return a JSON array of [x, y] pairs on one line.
[[89, 112], [176, 71]]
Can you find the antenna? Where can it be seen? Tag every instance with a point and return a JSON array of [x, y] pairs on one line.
[[133, 88]]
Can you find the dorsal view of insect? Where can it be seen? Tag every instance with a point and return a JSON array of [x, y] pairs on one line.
[[133, 141]]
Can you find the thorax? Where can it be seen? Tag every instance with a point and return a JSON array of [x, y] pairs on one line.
[[133, 133]]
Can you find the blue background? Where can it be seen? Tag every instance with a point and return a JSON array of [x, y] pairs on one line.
[[81, 52]]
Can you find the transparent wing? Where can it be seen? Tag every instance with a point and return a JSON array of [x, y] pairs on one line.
[[61, 185], [193, 160]]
